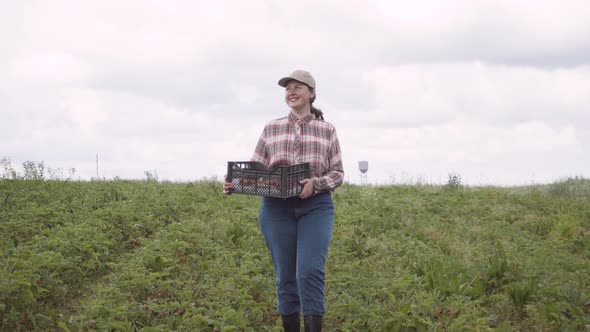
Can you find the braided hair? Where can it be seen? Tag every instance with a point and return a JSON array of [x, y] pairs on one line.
[[315, 111]]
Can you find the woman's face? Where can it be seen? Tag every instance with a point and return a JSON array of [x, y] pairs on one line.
[[297, 94]]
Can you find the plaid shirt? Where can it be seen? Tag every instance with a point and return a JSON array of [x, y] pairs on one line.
[[290, 140]]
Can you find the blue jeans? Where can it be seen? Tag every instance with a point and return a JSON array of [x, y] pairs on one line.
[[298, 233]]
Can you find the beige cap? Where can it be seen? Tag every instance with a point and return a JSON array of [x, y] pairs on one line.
[[299, 75]]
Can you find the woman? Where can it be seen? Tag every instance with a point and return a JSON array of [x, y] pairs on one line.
[[298, 230]]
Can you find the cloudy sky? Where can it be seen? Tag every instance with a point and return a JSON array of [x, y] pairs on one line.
[[496, 91]]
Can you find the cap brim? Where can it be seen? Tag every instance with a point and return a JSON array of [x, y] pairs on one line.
[[283, 81]]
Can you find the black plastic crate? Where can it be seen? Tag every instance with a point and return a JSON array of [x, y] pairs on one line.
[[252, 178]]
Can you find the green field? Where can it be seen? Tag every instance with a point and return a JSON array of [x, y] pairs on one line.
[[155, 256]]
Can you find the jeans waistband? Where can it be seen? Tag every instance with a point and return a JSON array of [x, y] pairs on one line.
[[298, 202]]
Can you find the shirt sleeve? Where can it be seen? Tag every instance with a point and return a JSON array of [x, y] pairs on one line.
[[260, 151], [335, 175]]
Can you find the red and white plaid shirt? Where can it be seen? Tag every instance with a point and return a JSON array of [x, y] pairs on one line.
[[290, 141]]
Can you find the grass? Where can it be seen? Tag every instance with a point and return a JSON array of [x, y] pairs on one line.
[[147, 256]]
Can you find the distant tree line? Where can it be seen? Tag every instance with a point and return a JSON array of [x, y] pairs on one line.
[[33, 170]]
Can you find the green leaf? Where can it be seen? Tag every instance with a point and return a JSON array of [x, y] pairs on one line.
[[63, 326]]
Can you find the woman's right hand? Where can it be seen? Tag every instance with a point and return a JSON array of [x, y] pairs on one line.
[[227, 186]]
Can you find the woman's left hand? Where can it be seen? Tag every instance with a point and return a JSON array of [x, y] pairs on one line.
[[308, 188]]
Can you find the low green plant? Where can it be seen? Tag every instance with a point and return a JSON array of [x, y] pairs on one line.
[[496, 273], [522, 292]]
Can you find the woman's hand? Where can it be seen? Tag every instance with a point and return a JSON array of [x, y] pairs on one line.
[[308, 188], [227, 186]]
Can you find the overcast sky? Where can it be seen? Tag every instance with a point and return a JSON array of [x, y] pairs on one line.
[[496, 91]]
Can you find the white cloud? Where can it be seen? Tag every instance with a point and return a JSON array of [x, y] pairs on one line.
[[84, 107], [50, 67], [246, 93], [431, 93], [523, 33], [533, 137]]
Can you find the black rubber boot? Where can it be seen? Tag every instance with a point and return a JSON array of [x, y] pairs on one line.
[[313, 323], [291, 322]]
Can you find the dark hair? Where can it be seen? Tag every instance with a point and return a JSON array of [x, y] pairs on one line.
[[315, 111]]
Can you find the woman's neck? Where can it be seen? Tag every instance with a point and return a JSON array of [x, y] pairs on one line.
[[302, 112]]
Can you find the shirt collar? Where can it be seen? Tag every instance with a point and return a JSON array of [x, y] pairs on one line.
[[293, 118]]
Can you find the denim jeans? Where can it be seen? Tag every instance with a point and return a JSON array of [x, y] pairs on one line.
[[298, 233]]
